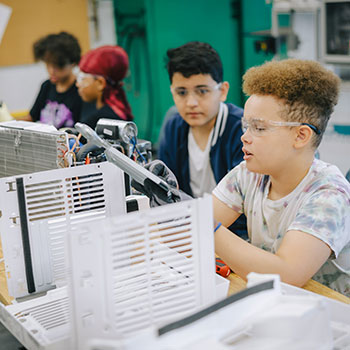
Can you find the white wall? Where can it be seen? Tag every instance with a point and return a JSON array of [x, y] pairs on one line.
[[335, 148], [106, 26], [19, 85]]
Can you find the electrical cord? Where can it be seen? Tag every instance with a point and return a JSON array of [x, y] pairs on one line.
[[135, 148]]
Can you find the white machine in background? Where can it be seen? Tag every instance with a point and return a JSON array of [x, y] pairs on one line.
[[37, 210], [28, 147], [300, 41]]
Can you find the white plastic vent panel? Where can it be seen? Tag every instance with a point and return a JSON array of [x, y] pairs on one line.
[[36, 211], [40, 323], [140, 269]]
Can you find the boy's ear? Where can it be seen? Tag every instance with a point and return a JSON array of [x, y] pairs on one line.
[[303, 136], [225, 86]]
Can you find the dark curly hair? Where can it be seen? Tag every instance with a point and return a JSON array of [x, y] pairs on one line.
[[58, 49], [308, 90], [194, 58]]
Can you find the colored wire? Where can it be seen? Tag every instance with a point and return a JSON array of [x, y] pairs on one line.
[[133, 142], [217, 226]]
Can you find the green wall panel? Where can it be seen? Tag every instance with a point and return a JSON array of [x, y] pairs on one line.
[[168, 24], [256, 16], [148, 28]]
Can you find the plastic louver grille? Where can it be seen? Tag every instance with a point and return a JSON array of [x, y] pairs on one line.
[[54, 201], [49, 315], [87, 192], [141, 269], [56, 231], [153, 271], [42, 322], [46, 200], [86, 201]]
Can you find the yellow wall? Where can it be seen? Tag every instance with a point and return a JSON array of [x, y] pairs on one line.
[[32, 19]]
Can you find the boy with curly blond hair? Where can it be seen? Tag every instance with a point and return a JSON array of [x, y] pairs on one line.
[[297, 207]]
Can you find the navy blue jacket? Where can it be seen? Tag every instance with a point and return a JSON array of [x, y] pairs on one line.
[[225, 153]]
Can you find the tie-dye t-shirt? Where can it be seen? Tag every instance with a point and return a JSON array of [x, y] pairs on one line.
[[319, 205]]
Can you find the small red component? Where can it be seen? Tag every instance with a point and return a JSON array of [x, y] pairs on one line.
[[221, 268]]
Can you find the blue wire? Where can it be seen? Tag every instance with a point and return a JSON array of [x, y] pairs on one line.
[[133, 142], [217, 226], [138, 152]]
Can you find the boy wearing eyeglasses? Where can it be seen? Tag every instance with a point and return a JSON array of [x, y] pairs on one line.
[[201, 142], [297, 207]]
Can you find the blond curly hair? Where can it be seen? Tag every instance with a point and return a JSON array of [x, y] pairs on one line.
[[309, 91]]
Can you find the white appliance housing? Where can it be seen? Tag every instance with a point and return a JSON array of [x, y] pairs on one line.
[[38, 209]]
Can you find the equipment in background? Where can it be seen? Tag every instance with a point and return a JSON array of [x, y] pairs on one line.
[[28, 147], [121, 135], [287, 22], [133, 169], [36, 211], [136, 202], [335, 30]]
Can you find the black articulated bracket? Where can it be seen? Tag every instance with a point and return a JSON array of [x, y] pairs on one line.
[[25, 235]]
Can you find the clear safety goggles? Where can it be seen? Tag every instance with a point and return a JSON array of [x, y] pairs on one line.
[[259, 127], [81, 76], [198, 92]]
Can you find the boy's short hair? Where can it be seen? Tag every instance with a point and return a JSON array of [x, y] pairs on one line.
[[194, 58], [308, 90], [58, 49]]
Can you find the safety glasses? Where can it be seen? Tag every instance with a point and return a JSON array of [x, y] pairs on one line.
[[259, 127]]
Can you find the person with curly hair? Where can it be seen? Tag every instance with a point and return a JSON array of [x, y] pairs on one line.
[[297, 207], [58, 102]]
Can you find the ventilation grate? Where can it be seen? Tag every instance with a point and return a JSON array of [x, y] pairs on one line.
[[48, 315], [51, 202], [157, 276], [42, 322], [45, 200], [149, 267]]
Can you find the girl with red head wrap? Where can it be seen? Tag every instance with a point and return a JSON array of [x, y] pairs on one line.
[[99, 81]]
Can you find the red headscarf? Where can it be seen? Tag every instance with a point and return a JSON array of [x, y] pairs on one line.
[[112, 63]]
